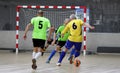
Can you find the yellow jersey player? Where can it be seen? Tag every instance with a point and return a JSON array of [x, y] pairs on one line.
[[75, 38]]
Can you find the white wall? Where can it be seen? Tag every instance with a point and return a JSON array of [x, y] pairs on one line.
[[95, 40], [7, 40]]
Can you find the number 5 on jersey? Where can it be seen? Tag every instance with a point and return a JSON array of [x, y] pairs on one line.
[[40, 25]]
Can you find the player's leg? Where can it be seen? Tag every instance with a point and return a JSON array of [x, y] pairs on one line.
[[78, 49], [61, 44], [68, 45], [71, 56], [38, 53], [53, 53], [34, 52], [44, 49], [38, 44], [76, 53], [41, 44], [34, 66], [46, 46], [71, 53]]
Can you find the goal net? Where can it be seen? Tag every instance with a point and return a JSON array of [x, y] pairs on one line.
[[56, 15]]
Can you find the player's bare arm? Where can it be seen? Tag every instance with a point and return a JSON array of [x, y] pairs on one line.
[[88, 25], [49, 34], [26, 30], [54, 39]]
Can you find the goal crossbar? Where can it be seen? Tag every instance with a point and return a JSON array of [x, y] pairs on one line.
[[47, 7]]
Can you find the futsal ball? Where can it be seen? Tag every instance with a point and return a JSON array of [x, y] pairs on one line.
[[77, 62]]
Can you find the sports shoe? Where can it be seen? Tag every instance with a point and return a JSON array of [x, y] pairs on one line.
[[58, 64], [34, 66], [48, 61], [71, 59]]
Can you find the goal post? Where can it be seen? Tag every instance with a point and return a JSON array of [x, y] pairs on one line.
[[48, 7]]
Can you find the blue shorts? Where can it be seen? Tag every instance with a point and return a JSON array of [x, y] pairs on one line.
[[77, 45]]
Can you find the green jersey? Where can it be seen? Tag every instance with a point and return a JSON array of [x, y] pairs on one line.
[[40, 26], [60, 29]]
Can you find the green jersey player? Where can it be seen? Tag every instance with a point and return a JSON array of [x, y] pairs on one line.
[[40, 25], [61, 40]]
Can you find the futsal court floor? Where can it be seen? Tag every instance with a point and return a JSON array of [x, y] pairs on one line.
[[21, 63]]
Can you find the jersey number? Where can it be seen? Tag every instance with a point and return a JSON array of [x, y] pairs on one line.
[[74, 26], [40, 25]]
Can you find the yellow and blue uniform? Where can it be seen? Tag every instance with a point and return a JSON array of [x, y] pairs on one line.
[[75, 38], [75, 28]]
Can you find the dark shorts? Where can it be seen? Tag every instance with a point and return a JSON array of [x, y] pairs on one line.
[[61, 43], [49, 42], [77, 45], [38, 43]]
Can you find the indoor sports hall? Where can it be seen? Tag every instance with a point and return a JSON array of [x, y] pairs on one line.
[[100, 49]]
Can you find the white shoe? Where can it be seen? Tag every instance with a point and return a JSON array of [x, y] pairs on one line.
[[58, 64]]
